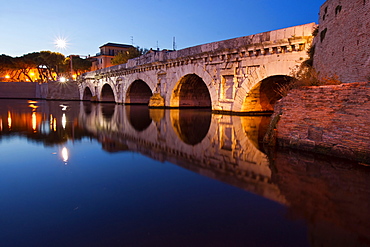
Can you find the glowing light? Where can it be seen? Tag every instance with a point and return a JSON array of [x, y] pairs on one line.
[[65, 156], [7, 76], [9, 120], [74, 76], [51, 122], [55, 124], [64, 120], [34, 107], [32, 74], [34, 121], [62, 79], [1, 124], [61, 43]]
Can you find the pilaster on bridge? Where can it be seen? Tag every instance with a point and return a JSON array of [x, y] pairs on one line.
[[237, 75]]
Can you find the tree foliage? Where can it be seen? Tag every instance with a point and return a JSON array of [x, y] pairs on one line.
[[79, 65], [49, 66], [124, 56], [6, 63]]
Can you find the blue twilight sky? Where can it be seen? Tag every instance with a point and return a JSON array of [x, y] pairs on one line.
[[29, 26]]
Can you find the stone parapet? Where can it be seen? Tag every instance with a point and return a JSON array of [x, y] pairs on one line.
[[332, 120], [291, 39]]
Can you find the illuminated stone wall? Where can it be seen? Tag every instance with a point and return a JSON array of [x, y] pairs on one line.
[[332, 120], [342, 46]]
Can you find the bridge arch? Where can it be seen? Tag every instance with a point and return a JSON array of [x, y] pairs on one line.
[[263, 96], [191, 91], [87, 94], [138, 93], [107, 94]]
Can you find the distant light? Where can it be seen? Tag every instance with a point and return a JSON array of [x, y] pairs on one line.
[[62, 79], [7, 76], [61, 43]]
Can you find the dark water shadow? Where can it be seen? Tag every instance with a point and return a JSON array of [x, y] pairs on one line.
[[138, 116]]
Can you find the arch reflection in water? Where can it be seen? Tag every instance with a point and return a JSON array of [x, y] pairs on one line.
[[108, 110], [191, 126], [87, 105], [138, 116], [214, 145]]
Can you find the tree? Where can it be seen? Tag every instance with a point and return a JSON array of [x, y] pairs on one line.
[[51, 64], [124, 56], [6, 63], [22, 66], [79, 65]]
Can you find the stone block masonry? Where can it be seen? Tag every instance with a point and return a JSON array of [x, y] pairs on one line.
[[332, 120], [342, 45]]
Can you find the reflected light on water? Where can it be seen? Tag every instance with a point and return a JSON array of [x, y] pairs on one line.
[[65, 155], [9, 120], [34, 107], [55, 124], [34, 121], [64, 120], [51, 122]]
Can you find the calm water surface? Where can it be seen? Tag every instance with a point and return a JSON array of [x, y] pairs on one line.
[[82, 174]]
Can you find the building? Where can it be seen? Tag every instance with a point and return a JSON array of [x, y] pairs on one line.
[[107, 52]]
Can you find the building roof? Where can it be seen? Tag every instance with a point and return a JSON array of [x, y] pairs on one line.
[[116, 45]]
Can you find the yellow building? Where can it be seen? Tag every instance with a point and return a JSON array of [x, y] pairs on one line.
[[107, 52]]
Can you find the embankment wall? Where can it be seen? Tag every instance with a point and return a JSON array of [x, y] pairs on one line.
[[332, 120], [33, 90]]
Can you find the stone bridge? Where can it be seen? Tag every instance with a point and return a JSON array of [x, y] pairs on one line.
[[222, 147], [236, 75]]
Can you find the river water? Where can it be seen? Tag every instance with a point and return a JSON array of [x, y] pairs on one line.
[[83, 174]]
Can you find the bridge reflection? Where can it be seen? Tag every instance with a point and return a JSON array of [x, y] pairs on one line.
[[220, 146], [331, 196]]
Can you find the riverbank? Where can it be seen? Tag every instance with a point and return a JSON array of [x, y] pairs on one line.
[[332, 120]]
